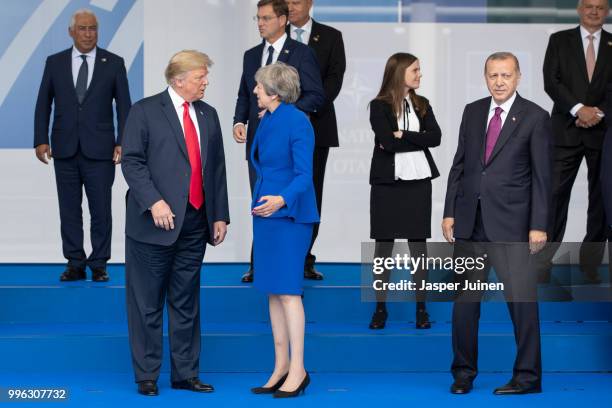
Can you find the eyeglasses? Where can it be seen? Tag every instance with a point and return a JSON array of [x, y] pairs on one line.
[[265, 19]]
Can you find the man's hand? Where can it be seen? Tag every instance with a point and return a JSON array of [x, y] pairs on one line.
[[589, 116], [537, 240], [43, 153], [398, 134], [240, 133], [220, 230], [272, 204], [117, 155], [162, 215], [448, 225]]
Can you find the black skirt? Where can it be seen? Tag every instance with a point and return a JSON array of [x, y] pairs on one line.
[[401, 210]]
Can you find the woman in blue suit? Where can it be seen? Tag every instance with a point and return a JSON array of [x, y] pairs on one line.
[[284, 210]]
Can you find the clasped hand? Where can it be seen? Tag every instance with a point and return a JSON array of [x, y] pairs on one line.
[[271, 205]]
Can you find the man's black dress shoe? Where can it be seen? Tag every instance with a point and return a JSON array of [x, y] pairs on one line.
[[272, 389], [148, 388], [514, 388], [311, 273], [193, 384], [99, 275], [422, 320], [72, 274], [379, 319], [247, 277], [461, 387]]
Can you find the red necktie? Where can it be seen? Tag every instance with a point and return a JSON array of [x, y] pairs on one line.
[[196, 191]]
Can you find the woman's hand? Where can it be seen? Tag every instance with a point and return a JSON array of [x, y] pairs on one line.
[[272, 204]]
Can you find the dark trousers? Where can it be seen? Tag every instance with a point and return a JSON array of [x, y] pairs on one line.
[[318, 176], [154, 273], [567, 161], [384, 249], [506, 259], [97, 176]]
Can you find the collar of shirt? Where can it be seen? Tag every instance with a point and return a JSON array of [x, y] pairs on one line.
[[177, 102], [584, 33], [278, 46], [505, 106], [307, 30], [91, 54]]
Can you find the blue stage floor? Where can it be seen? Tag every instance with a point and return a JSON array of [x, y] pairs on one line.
[[326, 390]]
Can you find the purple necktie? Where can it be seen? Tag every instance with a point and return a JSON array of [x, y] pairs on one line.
[[493, 132]]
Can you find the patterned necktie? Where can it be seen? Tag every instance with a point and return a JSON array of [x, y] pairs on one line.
[[590, 57], [270, 54], [298, 35], [81, 82], [493, 131], [196, 191]]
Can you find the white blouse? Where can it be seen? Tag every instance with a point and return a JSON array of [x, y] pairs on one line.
[[410, 165]]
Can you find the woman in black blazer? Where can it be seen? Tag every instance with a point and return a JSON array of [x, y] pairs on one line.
[[402, 168]]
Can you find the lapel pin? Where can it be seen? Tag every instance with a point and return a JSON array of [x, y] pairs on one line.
[[513, 119], [103, 59], [286, 51], [315, 38], [609, 43], [201, 113]]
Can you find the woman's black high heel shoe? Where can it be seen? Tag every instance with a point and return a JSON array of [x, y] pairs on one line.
[[422, 320], [272, 389], [296, 392], [379, 319]]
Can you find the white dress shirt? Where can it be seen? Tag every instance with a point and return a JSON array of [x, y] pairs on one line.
[[278, 46], [305, 35], [77, 61], [177, 102], [505, 107], [584, 34], [411, 165]]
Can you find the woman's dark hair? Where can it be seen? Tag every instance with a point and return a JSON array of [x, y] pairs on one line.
[[393, 85]]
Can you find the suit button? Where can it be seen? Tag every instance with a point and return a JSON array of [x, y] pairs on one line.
[[186, 175], [80, 109], [484, 173]]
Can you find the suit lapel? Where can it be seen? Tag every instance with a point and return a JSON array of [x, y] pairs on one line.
[[603, 53], [313, 40], [175, 124], [288, 47], [483, 112], [98, 69], [510, 124], [68, 68], [578, 49], [203, 125]]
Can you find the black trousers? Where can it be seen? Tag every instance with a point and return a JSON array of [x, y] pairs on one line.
[[319, 163], [97, 176], [567, 161], [507, 261], [156, 275]]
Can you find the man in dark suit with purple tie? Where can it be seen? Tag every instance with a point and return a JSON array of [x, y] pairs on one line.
[[276, 46], [499, 192]]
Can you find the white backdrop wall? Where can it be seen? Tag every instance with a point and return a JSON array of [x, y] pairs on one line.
[[452, 57]]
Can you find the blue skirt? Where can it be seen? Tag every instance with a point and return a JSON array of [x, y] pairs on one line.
[[279, 249]]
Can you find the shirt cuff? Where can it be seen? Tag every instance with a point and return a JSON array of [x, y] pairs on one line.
[[576, 108], [238, 123]]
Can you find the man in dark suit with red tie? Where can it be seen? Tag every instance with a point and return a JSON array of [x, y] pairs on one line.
[[498, 198], [328, 46], [577, 69], [276, 46], [174, 165], [80, 84]]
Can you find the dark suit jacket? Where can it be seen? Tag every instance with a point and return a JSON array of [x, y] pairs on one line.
[[293, 53], [566, 82], [384, 123], [156, 166], [90, 125], [606, 161], [328, 46], [514, 186]]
